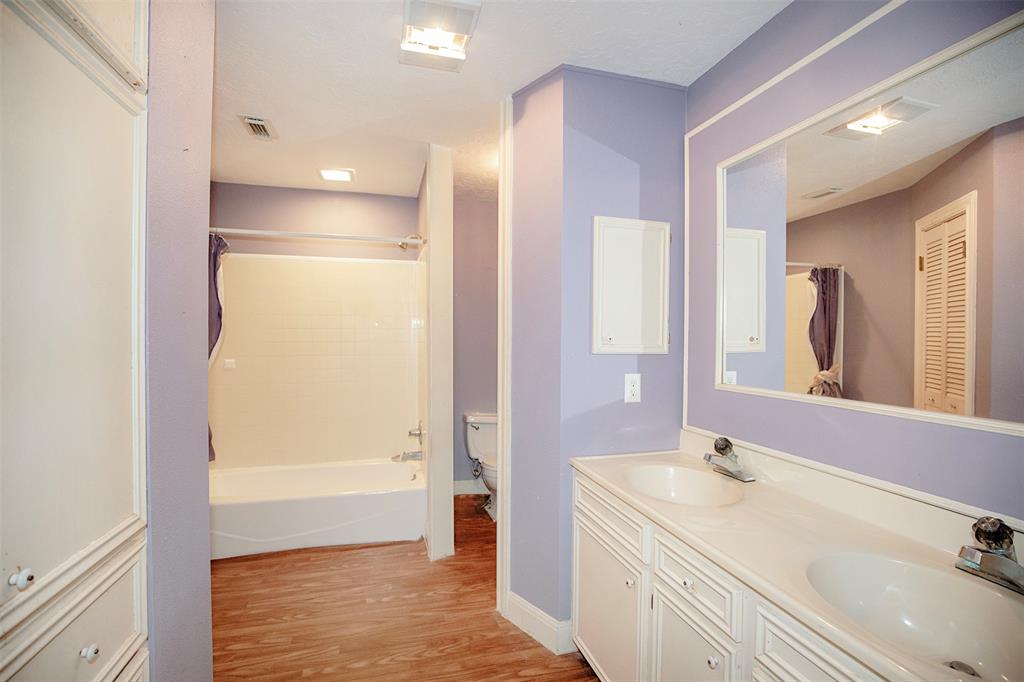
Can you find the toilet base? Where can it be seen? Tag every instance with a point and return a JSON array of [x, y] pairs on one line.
[[491, 507]]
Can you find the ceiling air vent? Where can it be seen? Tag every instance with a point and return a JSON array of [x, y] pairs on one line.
[[824, 192], [258, 127]]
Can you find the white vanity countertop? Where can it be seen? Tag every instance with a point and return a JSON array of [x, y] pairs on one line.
[[768, 539]]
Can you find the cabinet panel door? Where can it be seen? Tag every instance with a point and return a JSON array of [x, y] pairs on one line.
[[70, 404], [683, 648], [607, 607]]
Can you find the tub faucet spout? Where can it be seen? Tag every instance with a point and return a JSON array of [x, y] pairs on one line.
[[409, 455]]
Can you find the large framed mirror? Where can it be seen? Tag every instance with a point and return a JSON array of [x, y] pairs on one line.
[[874, 258]]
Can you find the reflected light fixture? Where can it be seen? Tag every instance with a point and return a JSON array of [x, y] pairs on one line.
[[880, 119], [436, 32], [338, 174], [873, 124]]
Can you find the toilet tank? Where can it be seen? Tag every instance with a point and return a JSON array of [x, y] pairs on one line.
[[482, 436]]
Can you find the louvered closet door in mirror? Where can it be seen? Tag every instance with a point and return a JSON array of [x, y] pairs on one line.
[[72, 508], [945, 310]]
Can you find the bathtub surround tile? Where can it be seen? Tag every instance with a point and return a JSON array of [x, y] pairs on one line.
[[310, 384], [346, 620]]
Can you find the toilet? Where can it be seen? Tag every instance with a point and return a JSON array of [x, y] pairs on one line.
[[482, 448]]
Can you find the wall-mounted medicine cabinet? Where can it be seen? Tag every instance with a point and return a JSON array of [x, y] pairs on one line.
[[630, 282]]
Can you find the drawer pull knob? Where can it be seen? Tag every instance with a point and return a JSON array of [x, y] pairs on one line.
[[688, 584], [630, 582], [22, 579], [90, 653], [712, 662]]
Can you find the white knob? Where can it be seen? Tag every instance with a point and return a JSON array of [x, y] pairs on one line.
[[688, 583], [630, 582], [22, 579], [90, 653], [712, 662]]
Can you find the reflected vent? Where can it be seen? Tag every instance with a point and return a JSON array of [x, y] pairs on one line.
[[258, 127], [824, 192]]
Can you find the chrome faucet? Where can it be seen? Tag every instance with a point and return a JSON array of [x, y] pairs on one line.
[[995, 559], [408, 455], [726, 462]]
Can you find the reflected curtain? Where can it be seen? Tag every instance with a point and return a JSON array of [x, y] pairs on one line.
[[822, 332], [218, 247]]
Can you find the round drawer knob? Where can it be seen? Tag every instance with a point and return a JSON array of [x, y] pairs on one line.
[[688, 584], [630, 582], [712, 662], [90, 653], [23, 579]]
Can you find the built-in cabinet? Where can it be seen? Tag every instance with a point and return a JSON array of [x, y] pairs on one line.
[[646, 606], [73, 503]]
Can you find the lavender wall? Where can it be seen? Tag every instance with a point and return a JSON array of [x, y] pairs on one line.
[[756, 200], [476, 317], [874, 240], [585, 144], [800, 28], [976, 467], [535, 311], [180, 114], [1007, 256], [309, 210]]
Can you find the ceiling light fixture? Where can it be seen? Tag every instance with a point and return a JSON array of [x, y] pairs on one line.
[[873, 124], [338, 174], [880, 119], [437, 32]]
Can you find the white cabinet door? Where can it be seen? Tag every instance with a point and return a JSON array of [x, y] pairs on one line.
[[685, 647], [744, 295], [72, 495], [608, 593]]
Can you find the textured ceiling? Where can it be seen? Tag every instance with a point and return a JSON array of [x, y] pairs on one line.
[[973, 93], [327, 76]]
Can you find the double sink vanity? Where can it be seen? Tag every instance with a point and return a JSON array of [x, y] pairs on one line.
[[683, 573]]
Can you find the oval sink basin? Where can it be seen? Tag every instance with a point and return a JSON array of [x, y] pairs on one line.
[[932, 615], [682, 485]]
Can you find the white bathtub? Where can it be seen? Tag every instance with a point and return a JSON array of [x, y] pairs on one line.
[[268, 509]]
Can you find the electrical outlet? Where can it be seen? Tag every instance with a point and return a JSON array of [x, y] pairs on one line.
[[730, 378], [632, 392]]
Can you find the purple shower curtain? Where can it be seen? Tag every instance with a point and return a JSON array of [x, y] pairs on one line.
[[215, 320], [822, 331]]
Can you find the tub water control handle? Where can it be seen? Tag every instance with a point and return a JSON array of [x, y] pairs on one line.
[[418, 432]]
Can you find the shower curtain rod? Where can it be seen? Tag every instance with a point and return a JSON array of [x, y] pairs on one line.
[[801, 264], [402, 242]]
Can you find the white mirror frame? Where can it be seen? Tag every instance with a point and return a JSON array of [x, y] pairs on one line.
[[979, 423]]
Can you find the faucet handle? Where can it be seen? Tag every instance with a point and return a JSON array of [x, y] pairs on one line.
[[723, 446], [992, 533]]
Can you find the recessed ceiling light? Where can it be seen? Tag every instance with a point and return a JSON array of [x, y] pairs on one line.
[[338, 174], [873, 124], [436, 32]]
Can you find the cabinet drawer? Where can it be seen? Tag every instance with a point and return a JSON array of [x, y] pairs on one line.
[[109, 623], [686, 646], [715, 594], [612, 516], [787, 650]]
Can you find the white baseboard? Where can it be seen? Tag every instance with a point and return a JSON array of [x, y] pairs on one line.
[[474, 486], [555, 635]]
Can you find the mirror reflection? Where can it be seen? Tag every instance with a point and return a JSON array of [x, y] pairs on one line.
[[878, 255]]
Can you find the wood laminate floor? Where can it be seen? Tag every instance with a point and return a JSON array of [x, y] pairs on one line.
[[375, 612]]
